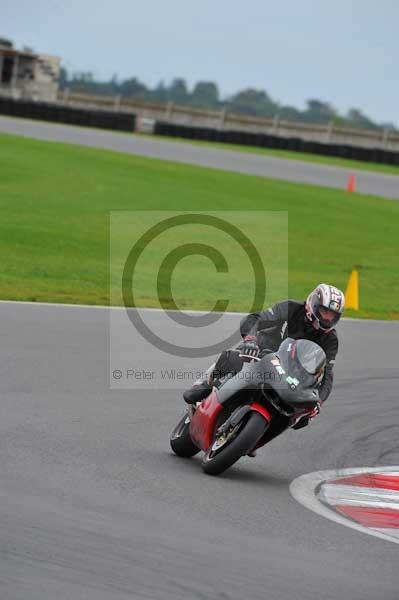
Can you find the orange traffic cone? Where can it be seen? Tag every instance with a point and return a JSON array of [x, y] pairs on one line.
[[351, 185]]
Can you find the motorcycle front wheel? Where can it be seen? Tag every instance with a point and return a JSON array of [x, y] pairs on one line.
[[180, 440], [218, 458]]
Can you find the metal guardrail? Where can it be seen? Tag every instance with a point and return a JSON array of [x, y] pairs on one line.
[[223, 120]]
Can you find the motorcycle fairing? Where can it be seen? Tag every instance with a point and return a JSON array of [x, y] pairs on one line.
[[203, 422], [250, 377]]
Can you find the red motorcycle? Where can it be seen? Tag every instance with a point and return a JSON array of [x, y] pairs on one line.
[[250, 408]]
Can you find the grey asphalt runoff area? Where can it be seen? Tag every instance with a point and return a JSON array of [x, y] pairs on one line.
[[377, 184], [95, 506]]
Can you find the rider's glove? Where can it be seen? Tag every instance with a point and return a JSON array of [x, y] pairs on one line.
[[249, 347], [304, 421]]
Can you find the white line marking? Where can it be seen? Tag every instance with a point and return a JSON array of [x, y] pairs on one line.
[[359, 496], [392, 532], [303, 489], [192, 312], [103, 306]]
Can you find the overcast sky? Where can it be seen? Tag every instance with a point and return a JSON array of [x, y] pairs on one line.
[[344, 52]]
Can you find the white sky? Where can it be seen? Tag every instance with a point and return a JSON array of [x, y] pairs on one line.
[[343, 52]]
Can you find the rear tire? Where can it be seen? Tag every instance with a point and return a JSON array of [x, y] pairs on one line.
[[180, 440], [244, 442]]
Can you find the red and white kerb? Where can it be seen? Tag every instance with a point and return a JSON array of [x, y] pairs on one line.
[[370, 499], [366, 499]]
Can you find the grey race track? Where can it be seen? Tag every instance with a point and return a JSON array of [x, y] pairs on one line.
[[94, 506], [377, 184]]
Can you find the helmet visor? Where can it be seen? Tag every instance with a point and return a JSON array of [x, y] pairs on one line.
[[328, 318]]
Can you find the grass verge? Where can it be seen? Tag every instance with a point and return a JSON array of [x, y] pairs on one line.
[[55, 201]]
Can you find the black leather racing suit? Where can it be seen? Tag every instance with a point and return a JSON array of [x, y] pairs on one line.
[[288, 319]]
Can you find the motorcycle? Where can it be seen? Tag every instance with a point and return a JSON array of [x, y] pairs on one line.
[[248, 409]]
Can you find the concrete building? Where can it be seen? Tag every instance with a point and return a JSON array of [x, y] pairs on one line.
[[27, 75]]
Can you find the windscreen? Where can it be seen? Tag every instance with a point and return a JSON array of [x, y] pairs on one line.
[[302, 360]]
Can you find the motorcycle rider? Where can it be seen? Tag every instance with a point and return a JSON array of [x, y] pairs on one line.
[[314, 320]]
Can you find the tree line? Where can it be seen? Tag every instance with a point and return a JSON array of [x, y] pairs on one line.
[[205, 94]]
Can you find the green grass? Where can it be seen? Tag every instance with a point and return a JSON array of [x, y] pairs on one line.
[[352, 165], [55, 202]]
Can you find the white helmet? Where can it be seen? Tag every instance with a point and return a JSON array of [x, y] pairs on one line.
[[324, 306]]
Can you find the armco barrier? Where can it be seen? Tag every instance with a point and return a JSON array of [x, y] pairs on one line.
[[261, 140], [325, 133], [73, 116]]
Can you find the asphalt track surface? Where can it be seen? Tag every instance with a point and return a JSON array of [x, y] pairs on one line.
[[95, 506], [377, 184]]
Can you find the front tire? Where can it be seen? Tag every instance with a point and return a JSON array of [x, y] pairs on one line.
[[180, 440], [215, 462]]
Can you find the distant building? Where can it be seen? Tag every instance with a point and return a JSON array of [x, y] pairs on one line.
[[27, 75]]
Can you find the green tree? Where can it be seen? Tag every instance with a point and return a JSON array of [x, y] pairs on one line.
[[289, 113], [249, 101], [318, 112], [205, 94], [252, 102], [133, 88], [160, 93], [178, 91], [356, 118]]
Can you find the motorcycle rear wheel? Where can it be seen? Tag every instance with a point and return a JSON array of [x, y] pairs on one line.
[[214, 463], [180, 440]]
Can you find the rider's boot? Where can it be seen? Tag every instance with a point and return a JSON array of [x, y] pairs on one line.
[[201, 388]]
